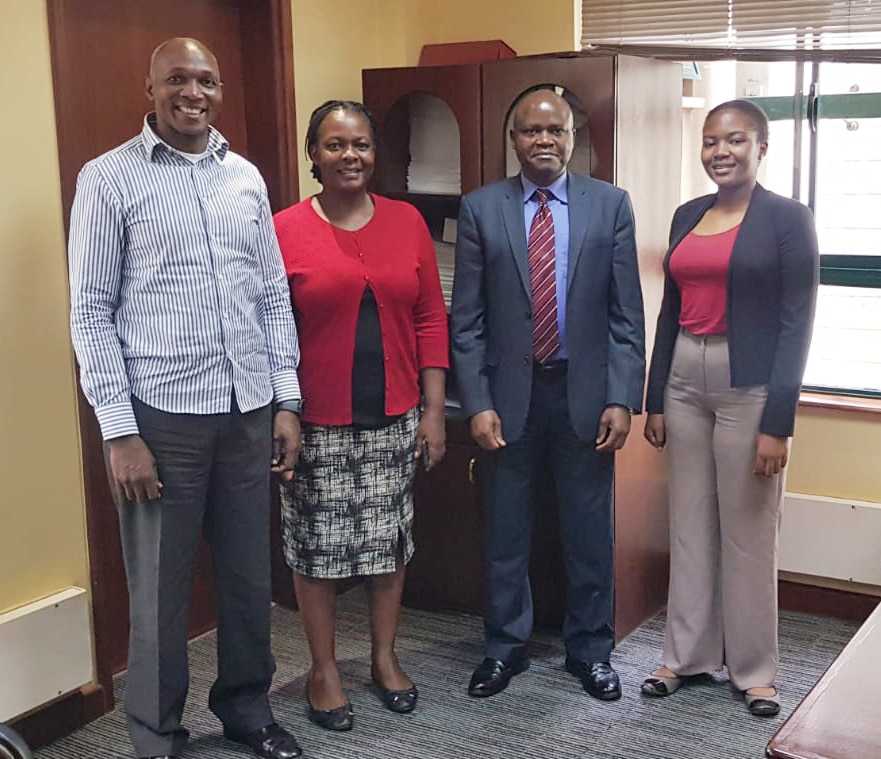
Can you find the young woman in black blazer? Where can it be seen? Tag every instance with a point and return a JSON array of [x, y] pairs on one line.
[[729, 356]]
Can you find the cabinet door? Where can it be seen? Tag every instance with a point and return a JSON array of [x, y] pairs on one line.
[[447, 570], [590, 81], [386, 92]]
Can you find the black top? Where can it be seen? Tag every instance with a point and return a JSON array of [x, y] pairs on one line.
[[368, 368]]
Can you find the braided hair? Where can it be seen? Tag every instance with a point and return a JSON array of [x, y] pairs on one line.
[[322, 112]]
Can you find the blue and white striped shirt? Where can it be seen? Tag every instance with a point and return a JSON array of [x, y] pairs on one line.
[[178, 292]]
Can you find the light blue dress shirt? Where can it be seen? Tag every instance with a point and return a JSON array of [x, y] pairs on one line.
[[559, 205], [178, 291]]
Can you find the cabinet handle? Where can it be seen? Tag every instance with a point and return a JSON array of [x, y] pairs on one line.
[[471, 477]]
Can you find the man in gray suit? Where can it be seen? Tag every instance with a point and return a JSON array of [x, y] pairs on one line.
[[548, 344]]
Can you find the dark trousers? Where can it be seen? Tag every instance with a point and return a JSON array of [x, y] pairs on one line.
[[584, 482], [215, 475]]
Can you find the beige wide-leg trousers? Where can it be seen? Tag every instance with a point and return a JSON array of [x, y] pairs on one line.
[[722, 605]]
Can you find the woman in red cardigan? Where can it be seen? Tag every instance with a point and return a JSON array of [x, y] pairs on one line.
[[373, 329]]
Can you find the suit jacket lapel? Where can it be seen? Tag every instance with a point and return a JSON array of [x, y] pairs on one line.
[[579, 209], [512, 213]]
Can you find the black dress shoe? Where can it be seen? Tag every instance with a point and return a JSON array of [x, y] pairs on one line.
[[597, 678], [398, 701], [270, 742], [493, 675], [338, 719]]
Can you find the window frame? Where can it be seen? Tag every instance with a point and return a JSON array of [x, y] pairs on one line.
[[841, 270]]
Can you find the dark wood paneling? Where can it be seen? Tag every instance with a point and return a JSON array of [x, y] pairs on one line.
[[100, 57], [269, 104], [825, 602], [447, 569], [385, 94], [64, 715], [590, 80]]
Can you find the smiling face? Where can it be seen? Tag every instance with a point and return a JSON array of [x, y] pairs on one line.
[[184, 85], [543, 136], [732, 149], [344, 151]]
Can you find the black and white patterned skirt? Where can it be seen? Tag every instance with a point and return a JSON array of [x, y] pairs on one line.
[[349, 510]]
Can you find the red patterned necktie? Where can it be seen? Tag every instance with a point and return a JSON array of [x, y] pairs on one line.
[[542, 278]]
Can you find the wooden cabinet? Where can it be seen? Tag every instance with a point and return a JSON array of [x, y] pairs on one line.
[[628, 119]]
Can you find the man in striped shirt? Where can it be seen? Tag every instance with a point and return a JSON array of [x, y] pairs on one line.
[[182, 325]]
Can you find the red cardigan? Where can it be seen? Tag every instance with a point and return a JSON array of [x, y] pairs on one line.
[[328, 269]]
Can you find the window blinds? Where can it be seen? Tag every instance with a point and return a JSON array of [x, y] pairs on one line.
[[734, 24]]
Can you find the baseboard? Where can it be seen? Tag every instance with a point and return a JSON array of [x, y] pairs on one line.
[[64, 715], [827, 602]]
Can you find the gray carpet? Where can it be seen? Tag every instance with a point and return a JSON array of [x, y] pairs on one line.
[[543, 714]]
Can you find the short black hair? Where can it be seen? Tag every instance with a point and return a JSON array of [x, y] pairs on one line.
[[749, 109], [322, 112]]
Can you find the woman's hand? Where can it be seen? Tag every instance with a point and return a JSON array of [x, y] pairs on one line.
[[431, 430], [772, 453], [655, 431]]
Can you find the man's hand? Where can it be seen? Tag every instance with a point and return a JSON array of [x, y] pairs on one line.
[[133, 469], [771, 454], [285, 443], [614, 427], [655, 430], [486, 429], [432, 430]]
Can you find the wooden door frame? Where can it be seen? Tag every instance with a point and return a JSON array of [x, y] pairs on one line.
[[271, 121]]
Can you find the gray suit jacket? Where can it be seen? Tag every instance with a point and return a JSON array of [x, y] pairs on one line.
[[491, 318]]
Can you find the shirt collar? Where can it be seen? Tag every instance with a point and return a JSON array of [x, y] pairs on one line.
[[217, 144], [559, 188]]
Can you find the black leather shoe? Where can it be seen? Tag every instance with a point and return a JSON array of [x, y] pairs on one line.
[[338, 719], [398, 701], [597, 678], [493, 675], [270, 742]]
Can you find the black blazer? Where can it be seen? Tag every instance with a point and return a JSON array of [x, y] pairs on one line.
[[772, 288]]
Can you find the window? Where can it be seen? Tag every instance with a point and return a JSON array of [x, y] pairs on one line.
[[824, 150], [836, 137], [815, 68]]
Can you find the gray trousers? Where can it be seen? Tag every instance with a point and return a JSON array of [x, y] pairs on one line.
[[215, 473], [722, 606]]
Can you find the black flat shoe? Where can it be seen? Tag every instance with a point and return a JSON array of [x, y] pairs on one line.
[[339, 719], [398, 701], [762, 706], [597, 678], [493, 675], [270, 742]]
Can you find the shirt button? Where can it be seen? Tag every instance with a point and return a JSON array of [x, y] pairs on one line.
[[366, 278]]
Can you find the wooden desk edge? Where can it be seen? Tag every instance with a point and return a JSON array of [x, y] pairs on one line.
[[779, 746]]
